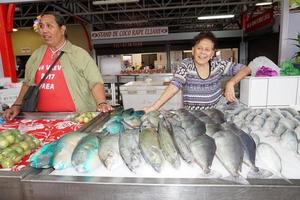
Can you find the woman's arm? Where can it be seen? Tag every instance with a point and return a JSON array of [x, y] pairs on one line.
[[169, 92], [229, 89]]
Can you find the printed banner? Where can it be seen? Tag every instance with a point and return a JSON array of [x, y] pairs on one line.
[[132, 32], [259, 21]]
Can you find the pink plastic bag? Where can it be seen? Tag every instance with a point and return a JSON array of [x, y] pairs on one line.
[[266, 71]]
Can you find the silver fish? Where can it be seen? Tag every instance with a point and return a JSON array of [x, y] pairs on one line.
[[129, 149], [167, 146], [109, 152], [248, 143], [289, 141], [203, 149], [182, 143], [230, 151], [149, 146], [216, 115]]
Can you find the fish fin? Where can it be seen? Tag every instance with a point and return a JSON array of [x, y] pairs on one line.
[[126, 124], [286, 179], [237, 179], [210, 174], [261, 173]]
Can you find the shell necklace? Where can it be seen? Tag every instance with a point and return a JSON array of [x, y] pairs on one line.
[[53, 52]]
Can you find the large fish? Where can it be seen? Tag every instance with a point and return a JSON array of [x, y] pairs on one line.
[[230, 152], [151, 119], [182, 143], [216, 115], [85, 156], [167, 146], [64, 149], [149, 145], [129, 149], [43, 158], [192, 125], [109, 152], [203, 149], [268, 156], [288, 140], [249, 146], [248, 143]]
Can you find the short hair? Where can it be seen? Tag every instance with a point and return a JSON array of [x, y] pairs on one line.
[[59, 19], [205, 35]]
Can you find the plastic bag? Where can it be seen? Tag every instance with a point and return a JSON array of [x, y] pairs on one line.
[[261, 61], [265, 71], [288, 69]]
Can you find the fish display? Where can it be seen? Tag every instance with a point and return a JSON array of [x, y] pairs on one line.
[[230, 140]]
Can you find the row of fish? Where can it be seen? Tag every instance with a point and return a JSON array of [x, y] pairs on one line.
[[175, 136]]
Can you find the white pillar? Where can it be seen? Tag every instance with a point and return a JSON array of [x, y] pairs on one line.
[[284, 27]]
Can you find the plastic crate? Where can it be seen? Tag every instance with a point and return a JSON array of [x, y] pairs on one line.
[[140, 94]]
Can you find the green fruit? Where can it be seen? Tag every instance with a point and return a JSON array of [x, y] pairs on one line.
[[3, 144], [31, 145], [19, 149], [36, 141], [6, 132], [10, 138], [28, 138], [24, 145], [27, 152], [12, 154], [7, 163], [18, 158]]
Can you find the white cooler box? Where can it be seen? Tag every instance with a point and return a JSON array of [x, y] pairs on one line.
[[270, 92], [140, 94], [8, 96]]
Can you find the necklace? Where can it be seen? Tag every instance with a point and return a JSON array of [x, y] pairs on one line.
[[53, 52]]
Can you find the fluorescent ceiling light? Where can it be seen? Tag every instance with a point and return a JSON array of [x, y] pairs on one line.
[[215, 17], [104, 2], [264, 3], [15, 29], [131, 22]]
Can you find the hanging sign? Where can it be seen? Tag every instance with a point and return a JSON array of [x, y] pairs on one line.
[[132, 32], [259, 21]]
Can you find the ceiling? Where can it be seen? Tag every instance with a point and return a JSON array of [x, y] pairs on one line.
[[178, 15]]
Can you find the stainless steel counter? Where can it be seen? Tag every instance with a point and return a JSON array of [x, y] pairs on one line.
[[41, 185], [10, 184]]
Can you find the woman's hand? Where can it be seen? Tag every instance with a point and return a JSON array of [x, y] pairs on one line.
[[149, 109], [11, 113], [104, 107], [229, 92]]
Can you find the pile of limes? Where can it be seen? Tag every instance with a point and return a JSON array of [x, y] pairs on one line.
[[14, 146]]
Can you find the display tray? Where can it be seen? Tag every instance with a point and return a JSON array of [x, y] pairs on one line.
[[41, 185]]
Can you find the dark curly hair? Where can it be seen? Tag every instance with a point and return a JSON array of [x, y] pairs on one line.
[[205, 35]]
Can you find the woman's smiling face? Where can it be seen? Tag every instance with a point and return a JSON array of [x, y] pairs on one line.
[[203, 51]]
